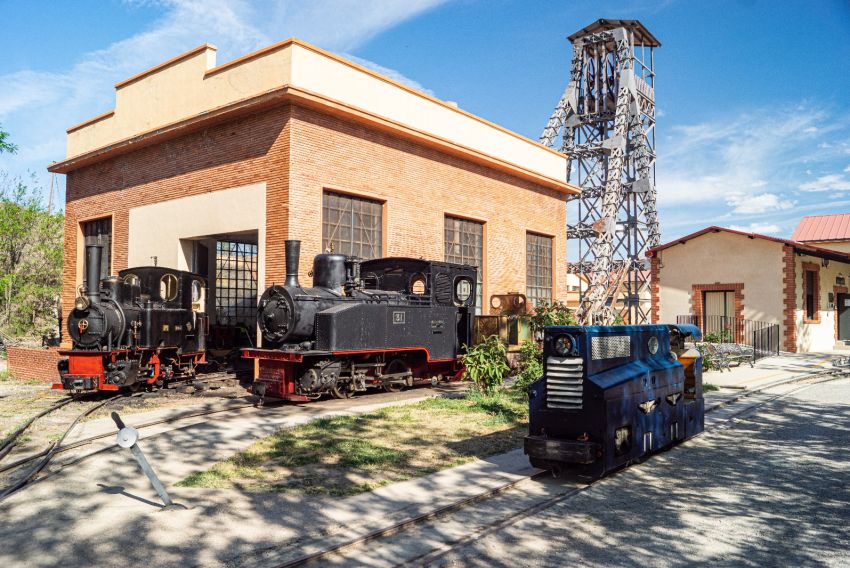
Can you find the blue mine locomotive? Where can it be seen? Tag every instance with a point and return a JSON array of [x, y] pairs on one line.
[[613, 395]]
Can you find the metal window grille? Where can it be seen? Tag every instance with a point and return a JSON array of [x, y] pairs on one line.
[[236, 283], [538, 268], [99, 232], [465, 245], [352, 225]]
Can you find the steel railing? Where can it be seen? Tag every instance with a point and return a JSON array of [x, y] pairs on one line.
[[762, 336]]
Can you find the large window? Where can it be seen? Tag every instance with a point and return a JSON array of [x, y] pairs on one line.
[[99, 232], [465, 245], [352, 225], [538, 268], [236, 283]]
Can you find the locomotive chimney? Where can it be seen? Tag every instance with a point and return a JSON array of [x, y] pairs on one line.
[[93, 255], [293, 251]]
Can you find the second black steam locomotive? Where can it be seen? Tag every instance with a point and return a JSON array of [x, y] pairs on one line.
[[387, 322], [143, 327]]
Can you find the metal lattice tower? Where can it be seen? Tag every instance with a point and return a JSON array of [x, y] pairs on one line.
[[606, 121]]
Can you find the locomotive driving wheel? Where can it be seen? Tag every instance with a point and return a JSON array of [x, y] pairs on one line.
[[343, 389], [394, 367]]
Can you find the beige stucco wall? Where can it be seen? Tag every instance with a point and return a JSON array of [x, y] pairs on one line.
[[185, 88], [818, 336], [163, 229], [725, 258], [841, 246]]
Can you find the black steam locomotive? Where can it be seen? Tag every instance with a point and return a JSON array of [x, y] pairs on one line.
[[613, 395], [142, 327], [387, 322]]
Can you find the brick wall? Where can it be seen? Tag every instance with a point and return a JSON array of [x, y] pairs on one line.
[[241, 152], [298, 153], [419, 187], [28, 364]]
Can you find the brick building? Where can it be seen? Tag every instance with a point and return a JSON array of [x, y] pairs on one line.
[[210, 168], [723, 277]]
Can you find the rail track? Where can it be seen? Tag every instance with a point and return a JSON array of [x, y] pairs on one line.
[[341, 550], [41, 459]]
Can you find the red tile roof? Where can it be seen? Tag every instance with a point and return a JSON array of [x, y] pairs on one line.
[[823, 228], [798, 246]]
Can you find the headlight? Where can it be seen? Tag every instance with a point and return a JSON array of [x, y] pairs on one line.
[[563, 345], [652, 345], [81, 304]]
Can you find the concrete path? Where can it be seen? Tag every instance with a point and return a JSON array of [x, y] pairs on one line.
[[103, 512], [770, 491]]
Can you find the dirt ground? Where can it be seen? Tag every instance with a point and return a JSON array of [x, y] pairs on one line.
[[21, 400]]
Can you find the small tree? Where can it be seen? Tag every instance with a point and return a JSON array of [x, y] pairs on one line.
[[5, 145], [487, 363]]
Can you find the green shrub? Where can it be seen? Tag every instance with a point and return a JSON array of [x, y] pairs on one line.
[[530, 365], [556, 313], [486, 364]]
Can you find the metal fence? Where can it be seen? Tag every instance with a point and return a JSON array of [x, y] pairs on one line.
[[762, 336]]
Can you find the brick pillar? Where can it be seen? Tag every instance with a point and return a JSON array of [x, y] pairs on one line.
[[655, 288], [789, 281]]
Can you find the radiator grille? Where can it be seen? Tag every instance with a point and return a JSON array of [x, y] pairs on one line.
[[564, 383], [610, 347]]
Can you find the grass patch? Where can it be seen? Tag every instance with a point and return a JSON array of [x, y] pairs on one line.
[[5, 375], [708, 387], [351, 454]]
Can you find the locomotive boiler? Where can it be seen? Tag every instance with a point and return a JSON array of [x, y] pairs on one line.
[[143, 327], [387, 322], [613, 395]]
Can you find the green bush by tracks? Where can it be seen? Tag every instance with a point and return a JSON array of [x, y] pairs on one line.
[[486, 364], [530, 365]]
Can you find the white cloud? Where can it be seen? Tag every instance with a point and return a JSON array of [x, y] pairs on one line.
[[829, 182], [390, 73], [36, 107], [761, 203], [760, 228]]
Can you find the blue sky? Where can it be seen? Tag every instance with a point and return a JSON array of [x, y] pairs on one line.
[[753, 95]]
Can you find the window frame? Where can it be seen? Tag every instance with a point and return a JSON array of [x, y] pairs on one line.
[[811, 290], [462, 258], [236, 283], [530, 236], [107, 257], [351, 246]]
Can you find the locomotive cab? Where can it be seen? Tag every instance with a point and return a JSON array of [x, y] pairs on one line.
[[613, 395]]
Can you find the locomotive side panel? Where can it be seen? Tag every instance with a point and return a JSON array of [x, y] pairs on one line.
[[355, 327]]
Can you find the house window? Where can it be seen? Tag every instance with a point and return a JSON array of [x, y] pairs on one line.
[[719, 312], [99, 232], [464, 244], [236, 284], [538, 268], [811, 289], [352, 225]]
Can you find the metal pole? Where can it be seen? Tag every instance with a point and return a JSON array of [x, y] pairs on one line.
[[127, 438]]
